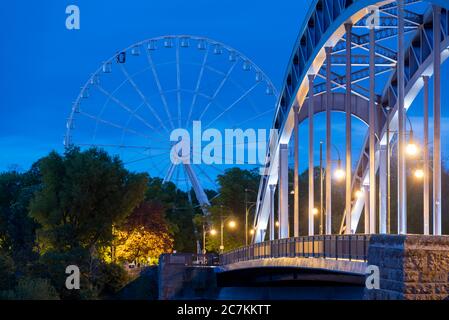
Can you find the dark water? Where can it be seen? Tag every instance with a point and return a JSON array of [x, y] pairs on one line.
[[291, 293]]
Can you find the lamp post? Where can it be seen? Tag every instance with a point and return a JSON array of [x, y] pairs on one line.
[[411, 149], [223, 219], [247, 212], [339, 175], [321, 187], [388, 109], [206, 230], [423, 174]]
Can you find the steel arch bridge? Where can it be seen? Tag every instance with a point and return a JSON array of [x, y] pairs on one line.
[[368, 59]]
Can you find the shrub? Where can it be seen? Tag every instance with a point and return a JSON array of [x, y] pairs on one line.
[[7, 277], [110, 278], [31, 289]]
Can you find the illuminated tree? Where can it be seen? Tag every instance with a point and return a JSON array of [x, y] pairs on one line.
[[144, 236]]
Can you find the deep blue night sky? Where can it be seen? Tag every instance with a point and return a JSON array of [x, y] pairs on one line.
[[43, 65]]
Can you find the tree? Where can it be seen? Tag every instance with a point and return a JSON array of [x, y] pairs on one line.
[[83, 194], [178, 212], [17, 229], [7, 270], [233, 183], [230, 203], [31, 289], [144, 236]]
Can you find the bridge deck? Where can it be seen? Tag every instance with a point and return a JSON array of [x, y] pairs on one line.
[[325, 264], [339, 253]]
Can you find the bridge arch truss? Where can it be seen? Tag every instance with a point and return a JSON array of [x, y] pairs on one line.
[[368, 54]]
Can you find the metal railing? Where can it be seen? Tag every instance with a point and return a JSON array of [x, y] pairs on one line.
[[189, 259], [348, 247]]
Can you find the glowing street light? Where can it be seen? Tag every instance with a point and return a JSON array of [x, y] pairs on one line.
[[411, 149], [213, 232], [339, 173], [419, 173], [315, 211], [231, 224], [251, 232], [277, 224]]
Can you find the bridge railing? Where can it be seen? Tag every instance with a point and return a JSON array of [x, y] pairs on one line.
[[348, 247]]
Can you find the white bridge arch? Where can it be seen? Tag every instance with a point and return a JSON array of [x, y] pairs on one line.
[[321, 42]]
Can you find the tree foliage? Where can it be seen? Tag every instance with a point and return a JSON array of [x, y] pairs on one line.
[[144, 236], [178, 212], [82, 195], [31, 289], [17, 229], [230, 204]]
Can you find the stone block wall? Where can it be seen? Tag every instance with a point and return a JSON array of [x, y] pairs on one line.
[[412, 267], [179, 281]]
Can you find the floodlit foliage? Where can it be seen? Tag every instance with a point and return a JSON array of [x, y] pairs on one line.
[[144, 236]]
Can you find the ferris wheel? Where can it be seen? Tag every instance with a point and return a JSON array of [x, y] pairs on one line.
[[131, 104]]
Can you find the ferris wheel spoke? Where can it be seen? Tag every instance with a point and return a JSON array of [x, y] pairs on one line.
[[216, 168], [223, 157], [159, 171], [169, 173], [198, 84], [187, 182], [125, 107], [260, 115], [217, 91], [162, 139], [114, 125], [243, 96], [178, 169], [120, 146], [178, 86], [144, 158], [214, 183], [143, 97], [159, 86]]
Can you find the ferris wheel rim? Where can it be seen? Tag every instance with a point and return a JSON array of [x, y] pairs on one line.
[[158, 38]]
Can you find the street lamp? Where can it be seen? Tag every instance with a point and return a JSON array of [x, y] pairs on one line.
[[232, 224], [411, 149], [419, 173], [339, 174], [247, 212], [211, 231]]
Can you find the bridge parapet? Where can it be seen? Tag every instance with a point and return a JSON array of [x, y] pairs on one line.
[[348, 247]]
